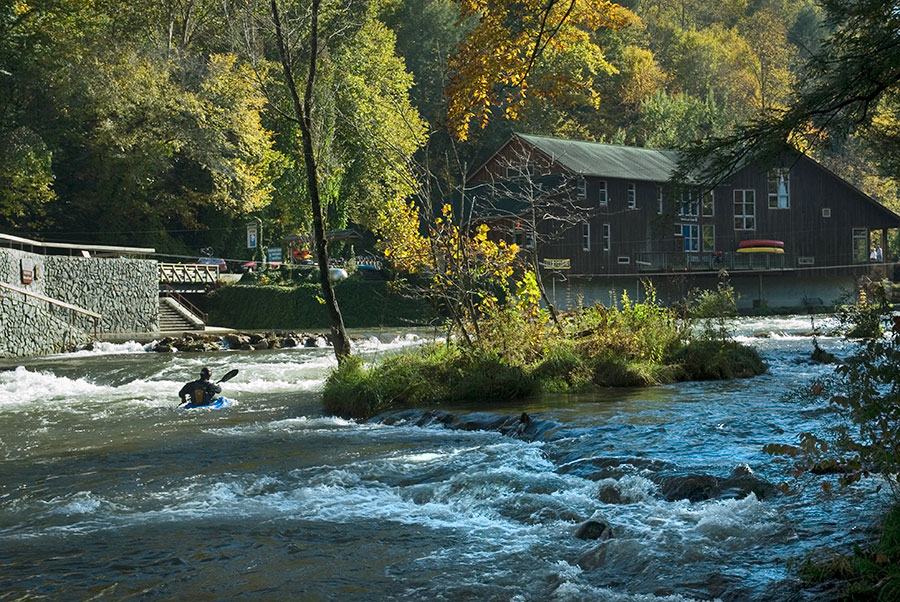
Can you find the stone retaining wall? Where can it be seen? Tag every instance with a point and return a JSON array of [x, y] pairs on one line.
[[124, 291]]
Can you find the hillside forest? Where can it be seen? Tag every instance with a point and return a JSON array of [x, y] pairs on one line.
[[169, 124]]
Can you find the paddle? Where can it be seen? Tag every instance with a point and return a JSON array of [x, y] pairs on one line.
[[228, 376]]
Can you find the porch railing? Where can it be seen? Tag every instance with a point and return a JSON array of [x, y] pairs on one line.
[[705, 262]]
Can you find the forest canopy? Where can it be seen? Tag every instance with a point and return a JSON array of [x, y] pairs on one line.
[[160, 123]]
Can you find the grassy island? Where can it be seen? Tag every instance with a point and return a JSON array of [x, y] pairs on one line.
[[522, 353]]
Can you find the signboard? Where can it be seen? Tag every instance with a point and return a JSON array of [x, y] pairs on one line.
[[27, 270], [252, 236], [557, 264], [273, 254]]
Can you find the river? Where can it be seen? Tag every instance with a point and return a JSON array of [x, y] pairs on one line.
[[109, 492]]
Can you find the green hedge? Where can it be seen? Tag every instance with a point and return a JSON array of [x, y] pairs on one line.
[[364, 304]]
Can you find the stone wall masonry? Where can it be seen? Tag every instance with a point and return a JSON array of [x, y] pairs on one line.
[[124, 291]]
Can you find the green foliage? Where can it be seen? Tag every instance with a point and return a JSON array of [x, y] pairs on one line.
[[363, 304], [562, 368], [434, 374], [869, 574], [713, 308], [643, 331], [714, 359], [617, 371]]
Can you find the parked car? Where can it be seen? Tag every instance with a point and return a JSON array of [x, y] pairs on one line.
[[252, 266], [217, 261]]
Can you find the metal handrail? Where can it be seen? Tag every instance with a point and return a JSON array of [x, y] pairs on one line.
[[170, 292], [95, 316]]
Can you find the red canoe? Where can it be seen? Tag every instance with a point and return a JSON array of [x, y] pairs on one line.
[[761, 243]]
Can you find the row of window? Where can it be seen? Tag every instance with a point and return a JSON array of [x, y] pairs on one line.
[[744, 200], [691, 233]]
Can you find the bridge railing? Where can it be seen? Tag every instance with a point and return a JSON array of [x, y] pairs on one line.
[[188, 273]]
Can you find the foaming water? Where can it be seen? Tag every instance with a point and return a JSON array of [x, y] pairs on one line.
[[108, 489]]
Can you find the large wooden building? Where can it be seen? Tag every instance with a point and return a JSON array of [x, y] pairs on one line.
[[794, 222]]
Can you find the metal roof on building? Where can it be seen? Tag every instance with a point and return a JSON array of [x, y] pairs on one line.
[[607, 160]]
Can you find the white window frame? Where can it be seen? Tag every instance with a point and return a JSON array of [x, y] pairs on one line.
[[586, 236], [711, 197], [779, 188], [742, 218], [691, 235], [826, 212], [689, 208], [632, 195], [606, 237], [581, 188], [859, 235], [602, 193]]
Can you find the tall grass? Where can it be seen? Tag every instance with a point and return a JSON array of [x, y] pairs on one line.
[[520, 353]]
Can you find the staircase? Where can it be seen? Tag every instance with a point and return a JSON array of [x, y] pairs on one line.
[[173, 317]]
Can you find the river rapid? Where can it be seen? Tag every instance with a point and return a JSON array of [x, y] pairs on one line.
[[109, 492]]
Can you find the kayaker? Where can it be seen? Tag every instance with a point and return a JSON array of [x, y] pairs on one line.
[[201, 392]]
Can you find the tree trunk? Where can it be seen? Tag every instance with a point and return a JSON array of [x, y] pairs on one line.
[[339, 338]]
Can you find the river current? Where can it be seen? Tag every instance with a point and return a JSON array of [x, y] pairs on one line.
[[109, 492]]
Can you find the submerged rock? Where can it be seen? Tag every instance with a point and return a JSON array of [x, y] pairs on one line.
[[522, 426], [699, 487], [596, 527]]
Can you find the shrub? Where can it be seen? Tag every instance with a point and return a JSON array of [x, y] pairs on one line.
[[713, 308], [643, 331], [706, 359], [430, 375], [616, 371], [561, 368]]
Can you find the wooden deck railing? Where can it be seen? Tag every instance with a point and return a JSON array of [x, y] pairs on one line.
[[188, 273]]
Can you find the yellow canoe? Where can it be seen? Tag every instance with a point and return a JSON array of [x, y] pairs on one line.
[[761, 250]]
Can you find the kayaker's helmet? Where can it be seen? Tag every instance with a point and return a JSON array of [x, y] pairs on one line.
[[205, 373]]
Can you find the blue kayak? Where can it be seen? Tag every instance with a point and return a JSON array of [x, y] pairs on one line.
[[218, 403]]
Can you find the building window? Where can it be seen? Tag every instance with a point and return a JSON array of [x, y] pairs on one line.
[[779, 189], [659, 200], [745, 210], [709, 237], [632, 196], [689, 207], [860, 245], [708, 204], [691, 234], [581, 185], [623, 259], [826, 211], [604, 199], [606, 237], [586, 236]]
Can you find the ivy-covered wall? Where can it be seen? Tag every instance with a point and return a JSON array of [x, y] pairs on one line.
[[364, 304]]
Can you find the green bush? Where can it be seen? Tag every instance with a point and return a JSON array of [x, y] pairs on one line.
[[707, 359], [561, 368], [644, 331], [430, 375]]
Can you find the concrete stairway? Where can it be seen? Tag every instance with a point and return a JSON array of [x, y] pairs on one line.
[[172, 318]]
